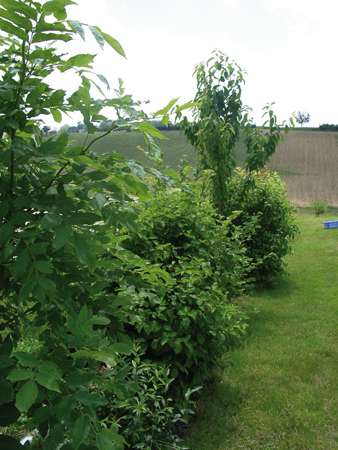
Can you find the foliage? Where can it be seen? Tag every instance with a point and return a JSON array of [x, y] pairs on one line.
[[219, 116], [59, 252], [147, 416], [45, 130], [261, 197], [328, 127], [64, 129], [302, 117], [319, 208], [190, 320]]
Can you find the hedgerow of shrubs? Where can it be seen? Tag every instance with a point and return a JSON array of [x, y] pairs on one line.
[[261, 197], [189, 322]]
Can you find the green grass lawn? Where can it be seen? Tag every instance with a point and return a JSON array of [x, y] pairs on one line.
[[282, 390]]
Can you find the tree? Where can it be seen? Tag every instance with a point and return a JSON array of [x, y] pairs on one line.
[[302, 117], [46, 129], [219, 118], [64, 129], [66, 284], [80, 126]]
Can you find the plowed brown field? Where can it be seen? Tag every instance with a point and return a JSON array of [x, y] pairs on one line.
[[307, 162]]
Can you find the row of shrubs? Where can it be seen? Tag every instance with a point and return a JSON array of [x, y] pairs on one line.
[[182, 327]]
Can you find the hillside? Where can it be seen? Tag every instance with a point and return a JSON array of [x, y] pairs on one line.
[[307, 161]]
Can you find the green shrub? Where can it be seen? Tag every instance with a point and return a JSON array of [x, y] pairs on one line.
[[190, 322], [143, 408], [261, 198], [319, 208]]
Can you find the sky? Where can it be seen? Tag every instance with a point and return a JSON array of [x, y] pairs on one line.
[[286, 47]]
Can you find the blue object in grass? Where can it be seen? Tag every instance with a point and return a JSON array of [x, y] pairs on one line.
[[331, 224]]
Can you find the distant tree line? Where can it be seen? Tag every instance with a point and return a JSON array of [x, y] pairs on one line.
[[106, 125], [328, 127]]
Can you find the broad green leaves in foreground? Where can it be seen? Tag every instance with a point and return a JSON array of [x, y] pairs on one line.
[[66, 283]]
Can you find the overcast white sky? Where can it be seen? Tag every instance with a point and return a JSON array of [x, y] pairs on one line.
[[287, 47]]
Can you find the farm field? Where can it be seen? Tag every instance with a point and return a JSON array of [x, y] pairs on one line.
[[307, 161]]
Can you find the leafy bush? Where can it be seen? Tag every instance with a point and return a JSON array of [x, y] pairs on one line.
[[191, 321], [146, 417], [319, 208], [261, 198], [59, 208]]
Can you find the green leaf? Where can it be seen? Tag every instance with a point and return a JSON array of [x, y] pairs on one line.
[[8, 414], [81, 430], [83, 218], [120, 348], [55, 437], [45, 380], [137, 169], [122, 374], [104, 443], [83, 314], [16, 19], [9, 443], [66, 405], [77, 26], [43, 266], [82, 354], [27, 289], [50, 221], [187, 106], [98, 320], [163, 112], [43, 37], [123, 300], [103, 79], [39, 294], [26, 359], [54, 6], [97, 35], [39, 248], [171, 173], [18, 268], [57, 116], [43, 414], [62, 236], [6, 232], [105, 356], [89, 399], [6, 391], [200, 338], [56, 99], [78, 378], [112, 435], [112, 42], [83, 253], [20, 7], [150, 129], [26, 396], [82, 60], [4, 208], [51, 369], [47, 284], [20, 375], [9, 28]]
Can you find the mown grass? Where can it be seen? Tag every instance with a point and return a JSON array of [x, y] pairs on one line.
[[282, 390]]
